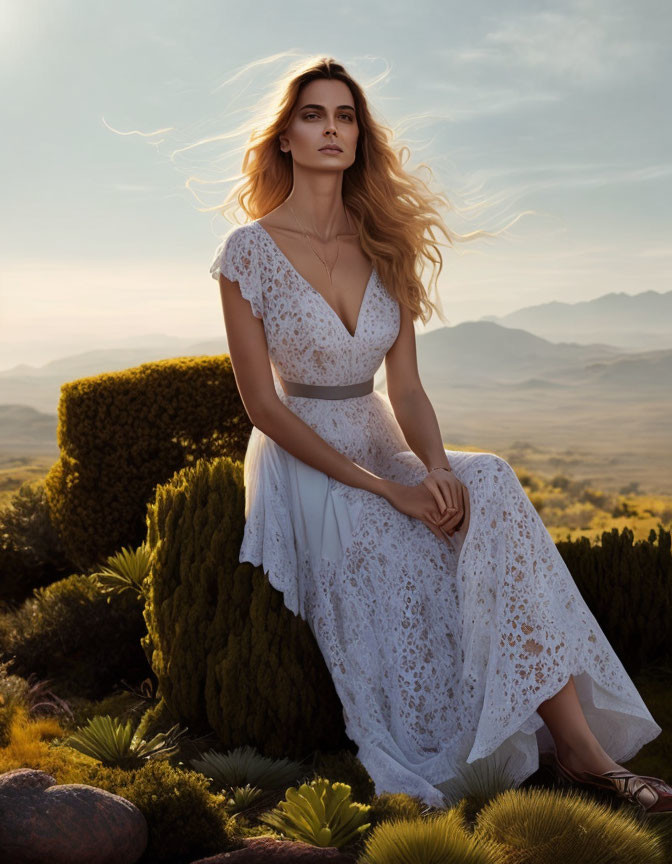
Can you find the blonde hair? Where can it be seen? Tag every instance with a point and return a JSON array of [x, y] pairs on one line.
[[394, 210]]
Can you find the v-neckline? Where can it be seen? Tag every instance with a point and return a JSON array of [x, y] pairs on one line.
[[319, 293]]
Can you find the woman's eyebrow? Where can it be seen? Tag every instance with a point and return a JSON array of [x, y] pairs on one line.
[[338, 107]]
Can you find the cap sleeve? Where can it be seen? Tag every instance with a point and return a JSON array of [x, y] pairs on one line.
[[237, 258]]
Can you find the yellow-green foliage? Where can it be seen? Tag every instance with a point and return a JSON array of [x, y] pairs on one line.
[[113, 742], [69, 633], [441, 838], [220, 640], [121, 433], [243, 797], [537, 826], [389, 806], [628, 587], [156, 718], [321, 813], [573, 508], [183, 816], [344, 766], [13, 693], [126, 570], [28, 746]]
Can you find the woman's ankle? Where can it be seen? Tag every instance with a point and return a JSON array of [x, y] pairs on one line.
[[584, 756]]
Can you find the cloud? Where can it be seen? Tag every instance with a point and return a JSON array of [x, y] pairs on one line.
[[591, 42]]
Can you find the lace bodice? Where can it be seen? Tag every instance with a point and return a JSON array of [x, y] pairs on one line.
[[307, 341]]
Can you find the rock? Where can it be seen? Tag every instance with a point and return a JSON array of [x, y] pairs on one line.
[[263, 849], [44, 823]]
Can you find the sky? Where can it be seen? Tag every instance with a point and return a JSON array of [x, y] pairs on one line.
[[554, 113]]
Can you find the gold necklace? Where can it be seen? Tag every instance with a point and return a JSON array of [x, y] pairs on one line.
[[338, 245]]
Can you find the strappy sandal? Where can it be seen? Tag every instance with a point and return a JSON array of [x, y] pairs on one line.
[[651, 794]]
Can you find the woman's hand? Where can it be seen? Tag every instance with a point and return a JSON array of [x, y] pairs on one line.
[[420, 502], [452, 500]]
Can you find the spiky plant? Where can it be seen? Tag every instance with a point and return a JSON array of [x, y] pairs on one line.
[[246, 765], [243, 797], [535, 826], [111, 742], [321, 813], [441, 838], [477, 783], [126, 571]]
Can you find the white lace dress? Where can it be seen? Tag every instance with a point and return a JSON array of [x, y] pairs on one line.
[[440, 652]]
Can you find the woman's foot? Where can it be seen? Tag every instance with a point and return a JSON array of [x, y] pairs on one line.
[[587, 768], [589, 758]]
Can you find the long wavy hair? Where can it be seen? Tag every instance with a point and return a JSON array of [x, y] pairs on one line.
[[394, 210]]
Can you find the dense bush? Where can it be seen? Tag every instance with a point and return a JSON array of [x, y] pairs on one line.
[[31, 554], [122, 433], [628, 587], [222, 644], [83, 641]]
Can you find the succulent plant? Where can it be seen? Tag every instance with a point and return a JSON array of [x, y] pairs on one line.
[[321, 813], [111, 742], [246, 765], [126, 571], [243, 797]]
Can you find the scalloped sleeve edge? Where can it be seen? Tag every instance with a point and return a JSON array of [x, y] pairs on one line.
[[239, 265]]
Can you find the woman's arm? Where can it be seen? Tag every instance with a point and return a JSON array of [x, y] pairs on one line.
[[411, 405], [248, 350], [294, 435]]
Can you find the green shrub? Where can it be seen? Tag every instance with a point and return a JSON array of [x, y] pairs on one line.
[[628, 588], [122, 433], [72, 634], [184, 818], [227, 653], [31, 554], [13, 692]]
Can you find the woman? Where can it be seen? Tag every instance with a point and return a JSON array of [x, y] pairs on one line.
[[446, 616]]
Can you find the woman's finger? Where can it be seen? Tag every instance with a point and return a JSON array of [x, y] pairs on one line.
[[463, 516], [451, 517], [439, 533], [442, 501], [467, 509]]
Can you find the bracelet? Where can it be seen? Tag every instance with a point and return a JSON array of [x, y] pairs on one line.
[[440, 468]]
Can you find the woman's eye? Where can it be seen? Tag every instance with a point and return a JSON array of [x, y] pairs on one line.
[[312, 114]]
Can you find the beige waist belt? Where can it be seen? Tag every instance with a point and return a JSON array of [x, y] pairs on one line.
[[327, 391]]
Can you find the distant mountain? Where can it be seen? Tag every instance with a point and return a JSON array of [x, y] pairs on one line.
[[474, 354], [480, 353], [490, 385], [23, 429], [631, 321]]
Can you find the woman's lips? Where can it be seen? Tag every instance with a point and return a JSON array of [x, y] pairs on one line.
[[330, 150]]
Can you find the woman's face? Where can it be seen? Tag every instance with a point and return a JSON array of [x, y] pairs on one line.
[[324, 114]]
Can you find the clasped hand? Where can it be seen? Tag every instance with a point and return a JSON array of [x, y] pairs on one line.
[[439, 500]]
